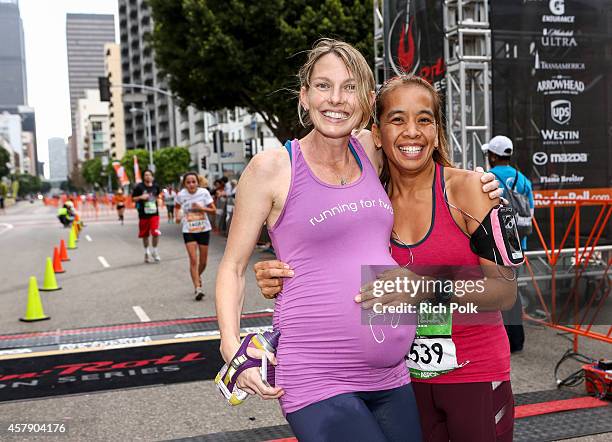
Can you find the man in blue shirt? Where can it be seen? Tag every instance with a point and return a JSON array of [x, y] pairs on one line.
[[499, 151]]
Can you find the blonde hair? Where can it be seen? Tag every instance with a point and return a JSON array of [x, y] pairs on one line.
[[202, 181], [441, 154], [356, 65]]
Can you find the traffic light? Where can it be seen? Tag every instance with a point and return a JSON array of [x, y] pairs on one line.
[[203, 163], [104, 87], [218, 141], [248, 148]]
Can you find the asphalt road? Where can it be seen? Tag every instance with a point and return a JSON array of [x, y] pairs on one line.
[[96, 295], [93, 294]]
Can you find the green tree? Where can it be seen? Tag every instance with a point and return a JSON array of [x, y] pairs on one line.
[[26, 184], [5, 157], [128, 161], [225, 53], [92, 172], [45, 186], [170, 164]]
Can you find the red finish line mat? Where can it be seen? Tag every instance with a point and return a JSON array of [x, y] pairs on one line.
[[63, 362], [553, 426]]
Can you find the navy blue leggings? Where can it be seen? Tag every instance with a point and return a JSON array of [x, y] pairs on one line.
[[372, 416]]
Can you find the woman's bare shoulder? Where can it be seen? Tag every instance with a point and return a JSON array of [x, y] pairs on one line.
[[464, 188], [269, 162]]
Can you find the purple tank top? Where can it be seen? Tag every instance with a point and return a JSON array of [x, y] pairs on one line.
[[326, 233]]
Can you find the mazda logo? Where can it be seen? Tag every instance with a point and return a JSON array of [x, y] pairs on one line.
[[540, 158]]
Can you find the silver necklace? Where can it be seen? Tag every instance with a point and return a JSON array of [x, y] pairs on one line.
[[343, 181]]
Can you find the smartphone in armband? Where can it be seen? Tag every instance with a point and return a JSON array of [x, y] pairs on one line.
[[264, 369]]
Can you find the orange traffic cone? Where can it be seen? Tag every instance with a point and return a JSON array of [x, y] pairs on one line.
[[49, 283], [63, 251], [57, 261], [34, 309]]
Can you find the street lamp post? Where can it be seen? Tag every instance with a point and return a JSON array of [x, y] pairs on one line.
[[161, 91], [147, 117]]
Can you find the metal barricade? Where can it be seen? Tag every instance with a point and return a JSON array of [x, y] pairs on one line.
[[571, 284]]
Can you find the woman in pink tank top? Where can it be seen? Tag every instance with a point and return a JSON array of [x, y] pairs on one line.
[[465, 395], [328, 216]]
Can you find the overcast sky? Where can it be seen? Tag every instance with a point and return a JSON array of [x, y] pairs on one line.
[[44, 26]]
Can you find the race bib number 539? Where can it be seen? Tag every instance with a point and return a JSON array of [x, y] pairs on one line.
[[430, 357]]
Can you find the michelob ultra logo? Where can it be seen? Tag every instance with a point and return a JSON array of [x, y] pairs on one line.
[[561, 111]]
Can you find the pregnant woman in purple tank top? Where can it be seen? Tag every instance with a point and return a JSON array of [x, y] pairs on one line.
[[327, 215]]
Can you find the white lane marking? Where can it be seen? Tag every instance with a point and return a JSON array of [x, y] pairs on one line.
[[103, 261], [88, 238], [6, 226], [141, 314]]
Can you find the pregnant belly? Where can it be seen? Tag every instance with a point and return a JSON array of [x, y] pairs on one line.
[[341, 336]]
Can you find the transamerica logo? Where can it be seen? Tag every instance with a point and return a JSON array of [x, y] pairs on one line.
[[560, 84], [560, 66]]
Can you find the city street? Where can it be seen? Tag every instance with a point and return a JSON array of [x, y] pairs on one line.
[[94, 295]]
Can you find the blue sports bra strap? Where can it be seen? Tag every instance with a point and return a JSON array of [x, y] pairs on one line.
[[356, 155], [288, 147]]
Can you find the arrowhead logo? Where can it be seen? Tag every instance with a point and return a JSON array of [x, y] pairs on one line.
[[540, 158]]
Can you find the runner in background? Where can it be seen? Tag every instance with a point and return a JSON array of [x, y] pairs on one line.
[[119, 202], [146, 196], [169, 196], [518, 191], [195, 203]]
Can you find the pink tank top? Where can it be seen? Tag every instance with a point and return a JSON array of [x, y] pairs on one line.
[[326, 233], [484, 346]]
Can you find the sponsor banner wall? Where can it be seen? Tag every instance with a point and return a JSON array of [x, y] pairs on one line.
[[550, 89], [552, 95], [414, 40]]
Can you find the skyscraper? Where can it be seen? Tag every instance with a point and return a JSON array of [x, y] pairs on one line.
[[86, 35], [58, 160], [138, 67], [112, 68], [13, 89]]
